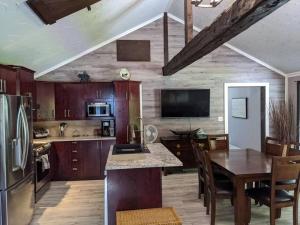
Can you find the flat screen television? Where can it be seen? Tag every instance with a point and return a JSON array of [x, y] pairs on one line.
[[185, 103]]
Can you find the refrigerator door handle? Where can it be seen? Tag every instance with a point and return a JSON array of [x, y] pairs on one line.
[[26, 137], [17, 145], [17, 155]]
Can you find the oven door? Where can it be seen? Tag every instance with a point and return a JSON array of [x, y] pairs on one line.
[[43, 175]]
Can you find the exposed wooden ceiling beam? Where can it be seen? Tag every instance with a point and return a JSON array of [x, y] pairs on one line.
[[188, 20], [239, 17], [50, 11]]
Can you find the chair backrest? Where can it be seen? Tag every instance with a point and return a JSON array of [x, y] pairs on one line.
[[274, 148], [285, 175], [196, 148], [208, 172], [218, 142]]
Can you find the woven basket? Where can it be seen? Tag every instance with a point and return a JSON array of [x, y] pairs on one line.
[[157, 216]]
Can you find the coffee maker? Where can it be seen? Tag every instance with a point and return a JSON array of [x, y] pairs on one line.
[[108, 128]]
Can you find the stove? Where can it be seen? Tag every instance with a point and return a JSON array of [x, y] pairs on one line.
[[43, 175]]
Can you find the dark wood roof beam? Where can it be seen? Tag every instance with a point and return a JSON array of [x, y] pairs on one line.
[[233, 21]]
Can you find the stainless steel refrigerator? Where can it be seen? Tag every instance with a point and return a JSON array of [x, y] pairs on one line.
[[16, 161]]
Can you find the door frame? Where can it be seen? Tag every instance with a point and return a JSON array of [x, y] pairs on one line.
[[267, 101]]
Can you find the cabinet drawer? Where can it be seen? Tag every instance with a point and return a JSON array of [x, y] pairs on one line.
[[174, 146], [76, 172]]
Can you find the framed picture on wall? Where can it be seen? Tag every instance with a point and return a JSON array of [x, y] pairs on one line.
[[239, 108]]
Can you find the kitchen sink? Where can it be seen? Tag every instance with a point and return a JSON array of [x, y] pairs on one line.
[[129, 149]]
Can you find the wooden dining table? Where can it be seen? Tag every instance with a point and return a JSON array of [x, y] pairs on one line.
[[242, 166]]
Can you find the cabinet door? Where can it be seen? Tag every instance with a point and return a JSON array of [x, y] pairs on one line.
[[122, 122], [76, 107], [9, 78], [105, 147], [61, 101], [62, 157], [90, 155], [92, 91], [26, 82], [121, 90], [121, 112], [105, 90], [134, 112], [45, 101], [26, 87]]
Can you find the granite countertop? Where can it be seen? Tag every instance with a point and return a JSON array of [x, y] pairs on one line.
[[159, 156], [81, 138]]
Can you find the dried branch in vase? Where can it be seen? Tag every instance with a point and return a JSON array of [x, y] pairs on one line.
[[282, 119]]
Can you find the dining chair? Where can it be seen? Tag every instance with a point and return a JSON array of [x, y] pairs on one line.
[[218, 142], [215, 190], [276, 196], [274, 148], [197, 147]]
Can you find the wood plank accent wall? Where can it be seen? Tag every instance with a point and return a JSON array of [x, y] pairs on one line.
[[221, 66]]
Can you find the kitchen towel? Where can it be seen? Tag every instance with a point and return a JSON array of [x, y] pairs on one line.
[[45, 162]]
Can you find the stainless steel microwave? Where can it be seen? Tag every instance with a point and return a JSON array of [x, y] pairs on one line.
[[97, 109]]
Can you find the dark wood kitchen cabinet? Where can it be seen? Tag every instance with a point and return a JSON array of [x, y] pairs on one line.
[[80, 160], [99, 90], [17, 80], [71, 98], [90, 156], [25, 81], [70, 101], [60, 102], [45, 101], [26, 86], [127, 111], [8, 78], [61, 161]]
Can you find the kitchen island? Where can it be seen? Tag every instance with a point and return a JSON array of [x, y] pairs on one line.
[[133, 181]]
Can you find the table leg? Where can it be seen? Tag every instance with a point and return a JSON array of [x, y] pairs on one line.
[[278, 213], [240, 202], [165, 171]]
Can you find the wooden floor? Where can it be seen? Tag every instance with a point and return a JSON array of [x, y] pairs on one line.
[[81, 203]]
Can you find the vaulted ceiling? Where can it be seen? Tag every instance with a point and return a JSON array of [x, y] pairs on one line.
[[275, 40], [25, 40]]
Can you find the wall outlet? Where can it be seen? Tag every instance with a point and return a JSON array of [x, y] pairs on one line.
[[220, 119]]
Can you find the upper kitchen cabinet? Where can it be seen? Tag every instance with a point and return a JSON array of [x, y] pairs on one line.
[[128, 111], [25, 81], [70, 101], [18, 80], [103, 90], [71, 98], [8, 79], [45, 98]]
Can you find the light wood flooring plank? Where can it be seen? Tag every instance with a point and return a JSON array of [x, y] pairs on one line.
[[81, 203]]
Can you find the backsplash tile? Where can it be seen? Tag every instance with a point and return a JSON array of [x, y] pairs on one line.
[[84, 127]]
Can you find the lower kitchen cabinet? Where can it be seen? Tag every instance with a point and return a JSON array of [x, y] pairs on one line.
[[80, 160], [90, 156], [61, 161]]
